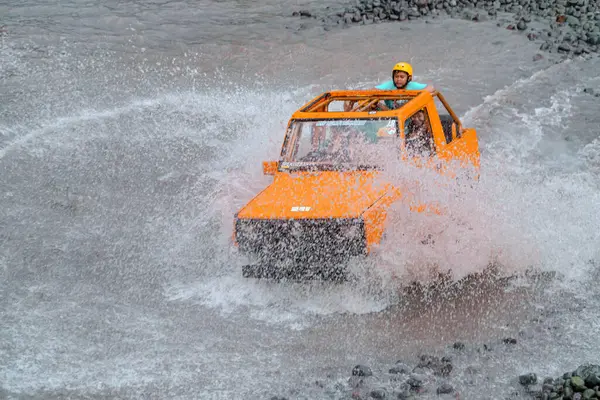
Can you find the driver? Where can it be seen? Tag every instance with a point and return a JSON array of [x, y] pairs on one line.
[[316, 140], [336, 151], [338, 147]]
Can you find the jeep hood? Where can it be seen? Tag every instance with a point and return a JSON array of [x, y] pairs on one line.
[[329, 194]]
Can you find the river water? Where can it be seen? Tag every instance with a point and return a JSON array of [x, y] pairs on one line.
[[131, 131]]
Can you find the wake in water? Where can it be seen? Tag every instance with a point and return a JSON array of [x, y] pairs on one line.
[[534, 167], [501, 220]]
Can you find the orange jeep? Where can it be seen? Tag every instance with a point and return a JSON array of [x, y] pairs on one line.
[[327, 202]]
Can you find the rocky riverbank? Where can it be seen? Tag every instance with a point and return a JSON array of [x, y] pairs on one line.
[[461, 371], [568, 27], [433, 376]]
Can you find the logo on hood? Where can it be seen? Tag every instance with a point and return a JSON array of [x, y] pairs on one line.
[[300, 208]]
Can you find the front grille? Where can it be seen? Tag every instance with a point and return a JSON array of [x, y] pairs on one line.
[[302, 240]]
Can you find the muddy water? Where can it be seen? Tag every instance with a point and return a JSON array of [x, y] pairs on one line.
[[130, 133]]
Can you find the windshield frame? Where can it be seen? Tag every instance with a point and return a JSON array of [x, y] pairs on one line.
[[292, 136]]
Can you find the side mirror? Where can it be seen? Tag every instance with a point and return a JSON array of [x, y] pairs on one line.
[[270, 167]]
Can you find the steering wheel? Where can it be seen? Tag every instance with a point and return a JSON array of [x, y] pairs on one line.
[[315, 155]]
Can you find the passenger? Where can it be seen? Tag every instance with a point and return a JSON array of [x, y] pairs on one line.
[[419, 138], [402, 74]]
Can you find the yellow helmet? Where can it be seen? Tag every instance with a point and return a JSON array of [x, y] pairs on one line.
[[404, 67]]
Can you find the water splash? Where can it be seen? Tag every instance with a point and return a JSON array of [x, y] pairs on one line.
[[534, 180]]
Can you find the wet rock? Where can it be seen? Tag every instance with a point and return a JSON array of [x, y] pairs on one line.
[[578, 384], [361, 370], [528, 379], [378, 394], [547, 387], [399, 368], [471, 370], [404, 395], [568, 382], [488, 347], [458, 346], [590, 373], [593, 39], [564, 48], [472, 15], [588, 394], [441, 367], [567, 38], [422, 371], [416, 381], [445, 388], [568, 392], [355, 382], [521, 25], [573, 21]]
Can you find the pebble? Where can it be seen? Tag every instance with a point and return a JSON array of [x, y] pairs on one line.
[[361, 370]]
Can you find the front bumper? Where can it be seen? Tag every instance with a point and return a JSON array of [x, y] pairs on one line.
[[306, 241]]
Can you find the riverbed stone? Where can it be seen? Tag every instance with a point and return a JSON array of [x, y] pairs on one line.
[[580, 17]]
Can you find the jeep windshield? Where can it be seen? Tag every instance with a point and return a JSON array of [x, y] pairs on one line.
[[347, 144]]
